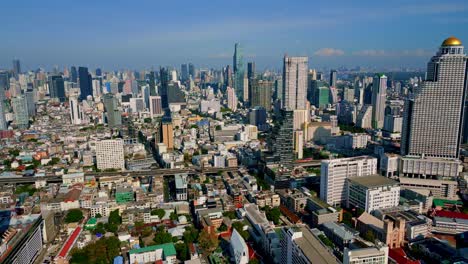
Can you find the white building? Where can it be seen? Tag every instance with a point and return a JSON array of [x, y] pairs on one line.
[[76, 113], [164, 252], [374, 255], [251, 131], [137, 105], [181, 187], [389, 165], [110, 154], [333, 175], [372, 192], [210, 106], [364, 117], [356, 140], [231, 99], [295, 82], [239, 248], [379, 97]]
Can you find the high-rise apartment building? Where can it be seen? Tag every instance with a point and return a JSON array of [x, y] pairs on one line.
[[86, 86], [231, 98], [191, 70], [294, 82], [239, 71], [57, 88], [73, 74], [163, 91], [167, 132], [3, 123], [260, 93], [75, 110], [20, 108], [110, 154], [379, 98], [152, 83], [29, 95], [111, 105], [433, 114], [184, 73], [333, 78], [155, 106], [333, 175], [16, 68], [284, 141]]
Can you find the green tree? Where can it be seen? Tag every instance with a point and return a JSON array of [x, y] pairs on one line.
[[207, 241], [114, 217], [190, 235], [173, 216], [230, 214], [159, 212], [182, 251], [222, 228], [273, 214], [73, 216], [162, 237], [98, 215], [100, 228]]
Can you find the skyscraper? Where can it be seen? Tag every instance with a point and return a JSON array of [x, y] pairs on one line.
[[258, 117], [294, 83], [184, 74], [98, 72], [57, 87], [155, 106], [31, 105], [3, 123], [379, 98], [191, 69], [75, 111], [432, 124], [333, 78], [73, 74], [163, 91], [251, 70], [167, 132], [260, 93], [86, 86], [110, 154], [284, 141], [16, 68], [152, 84], [114, 117], [434, 113], [231, 98], [239, 71], [20, 108], [319, 94]]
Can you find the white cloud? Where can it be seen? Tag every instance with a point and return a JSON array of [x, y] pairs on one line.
[[326, 52]]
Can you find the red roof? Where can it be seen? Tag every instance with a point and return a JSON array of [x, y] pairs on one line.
[[70, 241], [399, 256], [449, 214]]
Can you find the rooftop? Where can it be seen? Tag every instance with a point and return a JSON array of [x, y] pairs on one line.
[[373, 181], [313, 249], [168, 249]]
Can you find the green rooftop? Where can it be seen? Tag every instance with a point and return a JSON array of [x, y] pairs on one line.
[[168, 249], [442, 202], [92, 221]]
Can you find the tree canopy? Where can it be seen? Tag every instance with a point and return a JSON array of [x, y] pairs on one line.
[[73, 216]]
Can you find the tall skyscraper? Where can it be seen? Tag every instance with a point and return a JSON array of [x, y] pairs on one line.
[[3, 123], [294, 82], [86, 86], [98, 72], [155, 106], [4, 81], [184, 73], [251, 70], [75, 110], [333, 78], [433, 122], [261, 93], [191, 69], [379, 98], [167, 132], [163, 91], [16, 68], [29, 95], [110, 154], [319, 94], [284, 141], [239, 71], [433, 115], [111, 105], [231, 98], [73, 74], [258, 117], [152, 84], [20, 108], [57, 87]]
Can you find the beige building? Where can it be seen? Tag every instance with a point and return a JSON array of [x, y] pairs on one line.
[[391, 230]]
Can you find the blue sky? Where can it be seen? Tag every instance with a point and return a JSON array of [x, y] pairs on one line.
[[142, 34]]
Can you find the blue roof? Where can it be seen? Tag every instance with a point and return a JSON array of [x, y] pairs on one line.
[[118, 260]]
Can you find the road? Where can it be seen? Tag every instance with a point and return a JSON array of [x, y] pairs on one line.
[[144, 173]]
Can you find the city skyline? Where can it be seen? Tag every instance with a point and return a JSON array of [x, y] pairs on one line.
[[391, 35]]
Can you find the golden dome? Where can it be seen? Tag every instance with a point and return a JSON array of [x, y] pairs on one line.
[[452, 41]]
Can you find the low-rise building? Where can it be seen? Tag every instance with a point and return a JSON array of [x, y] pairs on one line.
[[163, 252], [372, 192]]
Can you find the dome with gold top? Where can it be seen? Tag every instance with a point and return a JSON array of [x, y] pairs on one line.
[[452, 41]]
